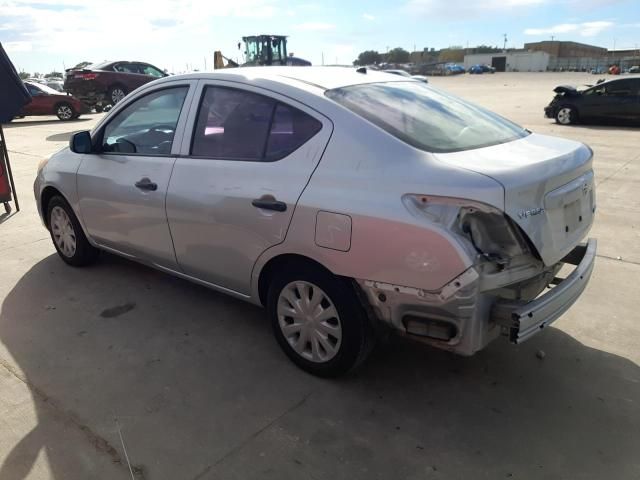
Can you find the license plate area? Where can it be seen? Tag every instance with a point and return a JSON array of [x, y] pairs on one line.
[[572, 216]]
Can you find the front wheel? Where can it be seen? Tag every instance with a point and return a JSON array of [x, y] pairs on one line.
[[67, 235], [65, 112], [566, 115], [318, 321]]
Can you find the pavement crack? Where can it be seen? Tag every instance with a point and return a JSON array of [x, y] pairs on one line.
[[99, 443], [621, 260], [609, 177], [23, 244], [251, 437], [25, 154]]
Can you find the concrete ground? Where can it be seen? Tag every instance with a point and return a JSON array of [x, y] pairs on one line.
[[118, 360]]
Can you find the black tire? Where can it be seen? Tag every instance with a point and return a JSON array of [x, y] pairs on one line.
[[357, 334], [116, 93], [566, 115], [84, 253], [99, 108], [65, 111]]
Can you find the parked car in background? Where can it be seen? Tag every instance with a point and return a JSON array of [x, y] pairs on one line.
[[634, 69], [453, 69], [617, 99], [402, 73], [344, 201], [55, 83], [480, 69], [109, 82], [47, 101]]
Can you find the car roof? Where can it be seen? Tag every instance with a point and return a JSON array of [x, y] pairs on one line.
[[324, 78]]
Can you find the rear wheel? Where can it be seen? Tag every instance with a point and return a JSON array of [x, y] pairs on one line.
[[116, 93], [318, 321], [98, 108], [67, 235], [566, 115], [65, 112]]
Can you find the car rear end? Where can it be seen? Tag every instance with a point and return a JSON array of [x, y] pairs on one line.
[[521, 236], [86, 85]]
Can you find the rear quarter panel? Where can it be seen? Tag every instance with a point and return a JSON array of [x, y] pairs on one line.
[[363, 174]]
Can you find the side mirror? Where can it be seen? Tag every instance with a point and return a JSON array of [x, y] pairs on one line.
[[80, 142]]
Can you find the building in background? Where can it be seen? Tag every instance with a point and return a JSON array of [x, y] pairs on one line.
[[510, 61]]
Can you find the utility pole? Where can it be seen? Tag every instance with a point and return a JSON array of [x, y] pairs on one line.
[[323, 59], [504, 48], [552, 37]]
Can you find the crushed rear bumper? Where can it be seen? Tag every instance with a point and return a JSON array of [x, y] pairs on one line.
[[521, 319]]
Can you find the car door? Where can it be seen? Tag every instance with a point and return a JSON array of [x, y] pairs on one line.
[[623, 99], [245, 160], [123, 185], [608, 100], [140, 74], [128, 75], [38, 105]]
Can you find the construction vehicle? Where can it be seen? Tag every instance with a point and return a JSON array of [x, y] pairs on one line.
[[261, 50]]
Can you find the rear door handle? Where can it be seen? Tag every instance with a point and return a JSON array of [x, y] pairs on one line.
[[268, 204], [146, 184]]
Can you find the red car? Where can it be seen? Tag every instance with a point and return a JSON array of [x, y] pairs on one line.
[[47, 101], [109, 82]]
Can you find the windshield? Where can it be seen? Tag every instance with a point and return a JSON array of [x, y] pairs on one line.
[[426, 118]]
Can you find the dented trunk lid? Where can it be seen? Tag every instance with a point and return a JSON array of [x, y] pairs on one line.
[[548, 188]]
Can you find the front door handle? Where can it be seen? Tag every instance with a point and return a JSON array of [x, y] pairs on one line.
[[269, 204], [146, 184]]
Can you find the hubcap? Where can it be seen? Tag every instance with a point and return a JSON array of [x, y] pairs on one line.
[[309, 321], [564, 116], [63, 232], [65, 112], [116, 95]]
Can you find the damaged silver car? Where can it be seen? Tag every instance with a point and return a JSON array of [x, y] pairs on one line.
[[347, 202]]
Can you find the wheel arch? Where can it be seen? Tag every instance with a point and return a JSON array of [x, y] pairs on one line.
[[285, 260], [45, 197]]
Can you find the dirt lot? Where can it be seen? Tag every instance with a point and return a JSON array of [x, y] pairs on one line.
[[193, 385]]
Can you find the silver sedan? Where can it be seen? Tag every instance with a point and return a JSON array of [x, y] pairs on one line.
[[347, 202]]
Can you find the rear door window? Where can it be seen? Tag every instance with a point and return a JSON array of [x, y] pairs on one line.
[[290, 129], [236, 124], [125, 68], [620, 88]]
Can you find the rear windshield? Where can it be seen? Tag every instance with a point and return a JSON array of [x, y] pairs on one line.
[[426, 118]]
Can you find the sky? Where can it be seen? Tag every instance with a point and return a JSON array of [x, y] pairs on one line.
[[181, 35]]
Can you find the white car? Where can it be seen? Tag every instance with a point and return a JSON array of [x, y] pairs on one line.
[[345, 201]]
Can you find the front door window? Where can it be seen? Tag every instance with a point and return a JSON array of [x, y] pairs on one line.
[[146, 126]]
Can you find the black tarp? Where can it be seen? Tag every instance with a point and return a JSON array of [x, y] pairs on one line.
[[13, 94]]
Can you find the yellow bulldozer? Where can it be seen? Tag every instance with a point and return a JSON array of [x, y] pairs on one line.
[[261, 50]]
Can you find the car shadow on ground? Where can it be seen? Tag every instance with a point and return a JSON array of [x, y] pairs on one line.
[[61, 137], [201, 388]]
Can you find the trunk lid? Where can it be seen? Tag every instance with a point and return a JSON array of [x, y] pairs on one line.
[[548, 188]]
